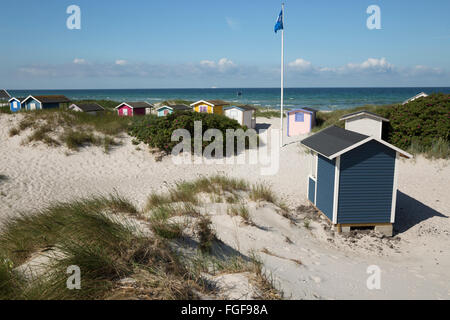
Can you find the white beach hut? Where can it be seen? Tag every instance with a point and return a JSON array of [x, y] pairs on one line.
[[245, 115], [417, 96]]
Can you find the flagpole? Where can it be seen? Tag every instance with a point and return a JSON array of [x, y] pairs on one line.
[[282, 77]]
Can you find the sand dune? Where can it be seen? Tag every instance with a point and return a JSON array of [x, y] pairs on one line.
[[414, 265]]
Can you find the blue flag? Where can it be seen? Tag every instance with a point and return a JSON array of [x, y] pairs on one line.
[[279, 24]]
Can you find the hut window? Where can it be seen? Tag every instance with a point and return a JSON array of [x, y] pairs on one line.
[[299, 117], [203, 109]]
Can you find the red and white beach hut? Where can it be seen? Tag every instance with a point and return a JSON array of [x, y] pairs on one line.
[[131, 109]]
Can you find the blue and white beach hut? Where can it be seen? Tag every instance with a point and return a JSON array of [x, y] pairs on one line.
[[353, 178]]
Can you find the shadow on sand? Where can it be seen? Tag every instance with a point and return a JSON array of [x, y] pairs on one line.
[[410, 212]]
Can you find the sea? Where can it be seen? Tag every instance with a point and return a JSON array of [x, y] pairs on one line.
[[318, 98]]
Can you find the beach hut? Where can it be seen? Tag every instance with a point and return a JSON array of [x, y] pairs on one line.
[[166, 110], [365, 122], [353, 179], [300, 121], [131, 109], [15, 104], [417, 96], [4, 97], [210, 106], [89, 108], [45, 102], [245, 115]]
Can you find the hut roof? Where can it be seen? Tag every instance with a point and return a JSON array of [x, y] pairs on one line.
[[213, 103], [363, 112], [50, 99], [334, 141], [307, 109], [218, 102], [4, 95], [90, 107], [244, 108], [15, 98], [137, 105]]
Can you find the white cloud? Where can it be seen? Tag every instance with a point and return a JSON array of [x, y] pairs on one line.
[[300, 65], [223, 65], [225, 72], [371, 64], [79, 61], [208, 63], [121, 62]]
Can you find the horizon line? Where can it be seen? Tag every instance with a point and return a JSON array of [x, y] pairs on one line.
[[235, 88]]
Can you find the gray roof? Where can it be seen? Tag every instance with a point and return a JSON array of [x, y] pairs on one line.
[[51, 99], [245, 108], [310, 110], [332, 140], [4, 95], [363, 112], [139, 104], [90, 107]]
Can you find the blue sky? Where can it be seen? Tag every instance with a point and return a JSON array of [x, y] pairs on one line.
[[199, 43]]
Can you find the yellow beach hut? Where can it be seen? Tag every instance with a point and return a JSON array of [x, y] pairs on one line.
[[209, 106]]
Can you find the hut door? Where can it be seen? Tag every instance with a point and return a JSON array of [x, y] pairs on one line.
[[32, 106], [234, 115]]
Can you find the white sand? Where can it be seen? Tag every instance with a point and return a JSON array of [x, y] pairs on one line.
[[416, 266]]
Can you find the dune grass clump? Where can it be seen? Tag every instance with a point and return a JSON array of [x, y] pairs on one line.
[[160, 224], [88, 234], [188, 191], [205, 234], [241, 211], [72, 129], [261, 192], [13, 132]]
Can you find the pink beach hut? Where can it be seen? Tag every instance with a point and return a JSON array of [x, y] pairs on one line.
[[300, 121]]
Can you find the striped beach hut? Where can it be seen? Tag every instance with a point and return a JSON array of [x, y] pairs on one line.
[[353, 178], [300, 121]]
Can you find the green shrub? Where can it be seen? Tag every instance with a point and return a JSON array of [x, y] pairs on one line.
[[157, 131], [420, 123]]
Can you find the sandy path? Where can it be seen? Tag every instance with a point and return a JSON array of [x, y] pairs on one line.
[[37, 176]]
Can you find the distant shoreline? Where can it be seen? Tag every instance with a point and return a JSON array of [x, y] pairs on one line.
[[324, 99]]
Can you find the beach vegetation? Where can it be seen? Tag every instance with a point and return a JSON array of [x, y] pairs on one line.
[[157, 131], [421, 126], [205, 233], [72, 129]]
